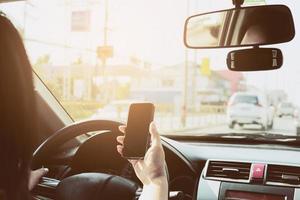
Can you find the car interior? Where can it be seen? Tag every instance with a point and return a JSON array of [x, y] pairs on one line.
[[188, 58]]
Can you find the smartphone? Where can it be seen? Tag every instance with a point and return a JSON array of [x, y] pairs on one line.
[[137, 136]]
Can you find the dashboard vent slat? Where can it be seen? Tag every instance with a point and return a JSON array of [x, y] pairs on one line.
[[228, 170], [283, 174]]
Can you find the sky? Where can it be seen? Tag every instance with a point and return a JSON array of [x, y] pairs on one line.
[[151, 30]]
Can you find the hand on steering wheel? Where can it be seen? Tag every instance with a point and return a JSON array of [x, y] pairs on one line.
[[35, 176]]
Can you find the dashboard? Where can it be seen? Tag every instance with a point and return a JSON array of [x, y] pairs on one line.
[[243, 172], [201, 170]]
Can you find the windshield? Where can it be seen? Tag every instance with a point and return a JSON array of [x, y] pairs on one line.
[[98, 56]]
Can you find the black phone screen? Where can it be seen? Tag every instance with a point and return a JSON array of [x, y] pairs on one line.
[[137, 131]]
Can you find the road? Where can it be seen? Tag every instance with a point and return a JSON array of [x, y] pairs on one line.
[[284, 125]]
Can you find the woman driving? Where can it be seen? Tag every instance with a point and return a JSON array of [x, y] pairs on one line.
[[18, 128]]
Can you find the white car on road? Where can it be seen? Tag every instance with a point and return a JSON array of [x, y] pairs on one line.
[[286, 109], [248, 108]]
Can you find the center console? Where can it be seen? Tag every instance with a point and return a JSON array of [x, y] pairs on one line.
[[235, 180]]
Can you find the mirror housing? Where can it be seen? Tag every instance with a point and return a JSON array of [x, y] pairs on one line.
[[239, 27], [254, 59]]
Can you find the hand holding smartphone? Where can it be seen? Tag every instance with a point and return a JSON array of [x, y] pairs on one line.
[[137, 137], [151, 170]]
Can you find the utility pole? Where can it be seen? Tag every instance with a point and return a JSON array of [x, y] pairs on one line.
[[105, 22], [105, 45], [195, 103], [24, 19], [25, 16], [66, 72], [185, 90], [194, 80], [185, 84]]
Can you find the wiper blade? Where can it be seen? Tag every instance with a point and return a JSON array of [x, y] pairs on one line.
[[257, 136], [242, 138]]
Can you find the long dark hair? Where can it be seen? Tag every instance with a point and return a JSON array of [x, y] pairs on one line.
[[17, 113]]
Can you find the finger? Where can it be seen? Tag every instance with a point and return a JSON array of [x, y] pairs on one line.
[[39, 173], [155, 137], [122, 128], [120, 139], [133, 162], [120, 149], [35, 177]]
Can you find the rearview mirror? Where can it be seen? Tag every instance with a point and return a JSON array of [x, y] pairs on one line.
[[237, 27], [254, 59]]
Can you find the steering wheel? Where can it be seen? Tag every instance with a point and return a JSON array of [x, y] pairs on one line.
[[88, 185]]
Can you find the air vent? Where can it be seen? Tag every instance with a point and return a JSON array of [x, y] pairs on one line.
[[283, 174], [228, 170]]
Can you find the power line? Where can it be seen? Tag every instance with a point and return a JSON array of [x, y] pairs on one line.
[[65, 46]]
